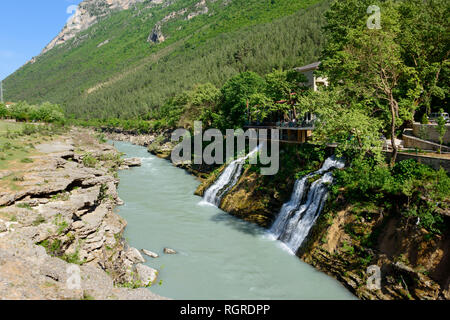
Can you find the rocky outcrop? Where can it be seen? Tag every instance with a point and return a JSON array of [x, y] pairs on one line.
[[156, 35], [88, 13], [143, 140], [246, 201], [60, 226], [146, 274]]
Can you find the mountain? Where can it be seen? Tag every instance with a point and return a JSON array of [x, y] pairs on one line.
[[123, 58], [87, 14]]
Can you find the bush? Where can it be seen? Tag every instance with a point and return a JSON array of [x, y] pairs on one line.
[[89, 160], [414, 189], [46, 112], [4, 113], [21, 111]]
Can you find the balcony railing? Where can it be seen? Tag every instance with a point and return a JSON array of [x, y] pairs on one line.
[[306, 124]]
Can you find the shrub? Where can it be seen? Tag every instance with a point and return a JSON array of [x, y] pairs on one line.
[[4, 113], [46, 112], [414, 189], [89, 160]]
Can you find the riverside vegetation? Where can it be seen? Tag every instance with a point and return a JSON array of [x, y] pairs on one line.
[[384, 212]]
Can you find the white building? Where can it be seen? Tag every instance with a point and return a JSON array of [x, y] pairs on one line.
[[314, 81]]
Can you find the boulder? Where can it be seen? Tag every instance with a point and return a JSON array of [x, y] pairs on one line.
[[146, 274], [134, 255], [132, 162], [169, 251], [150, 254]]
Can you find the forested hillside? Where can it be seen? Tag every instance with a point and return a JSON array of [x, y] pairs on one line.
[[114, 69]]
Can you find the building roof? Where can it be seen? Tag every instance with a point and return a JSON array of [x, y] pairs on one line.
[[309, 67]]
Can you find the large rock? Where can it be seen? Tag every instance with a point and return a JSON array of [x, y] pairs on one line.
[[134, 255], [150, 253], [132, 162], [146, 274], [156, 36], [169, 251]]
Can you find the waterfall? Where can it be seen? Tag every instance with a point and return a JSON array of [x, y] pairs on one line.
[[297, 217], [227, 180], [296, 198]]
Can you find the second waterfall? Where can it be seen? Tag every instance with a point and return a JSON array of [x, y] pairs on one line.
[[297, 217]]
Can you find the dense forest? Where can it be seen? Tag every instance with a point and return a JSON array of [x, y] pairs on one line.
[[129, 77]]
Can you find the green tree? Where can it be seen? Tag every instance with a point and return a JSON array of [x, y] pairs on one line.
[[21, 111], [236, 94], [3, 111], [280, 85], [201, 100], [343, 122], [261, 106], [441, 129], [425, 42], [369, 66]]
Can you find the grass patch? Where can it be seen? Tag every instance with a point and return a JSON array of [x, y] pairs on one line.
[[89, 161], [26, 160], [39, 220], [24, 206]]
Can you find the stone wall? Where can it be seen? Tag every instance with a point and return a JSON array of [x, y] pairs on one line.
[[409, 141], [435, 163], [429, 132]]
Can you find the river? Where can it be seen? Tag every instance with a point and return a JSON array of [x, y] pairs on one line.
[[220, 257]]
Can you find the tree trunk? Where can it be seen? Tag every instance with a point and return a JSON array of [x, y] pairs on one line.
[[394, 146]]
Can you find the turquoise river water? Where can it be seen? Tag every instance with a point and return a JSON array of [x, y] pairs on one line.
[[220, 257]]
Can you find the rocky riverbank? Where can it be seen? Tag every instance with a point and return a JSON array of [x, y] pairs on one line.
[[59, 235]]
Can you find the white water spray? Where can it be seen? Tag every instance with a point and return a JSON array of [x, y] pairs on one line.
[[227, 180], [298, 216]]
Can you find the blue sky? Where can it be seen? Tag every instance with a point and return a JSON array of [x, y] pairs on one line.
[[26, 27]]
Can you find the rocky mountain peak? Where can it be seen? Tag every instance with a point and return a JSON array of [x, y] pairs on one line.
[[87, 14]]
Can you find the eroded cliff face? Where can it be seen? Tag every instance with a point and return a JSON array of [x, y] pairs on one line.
[[87, 14], [57, 216], [414, 263]]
